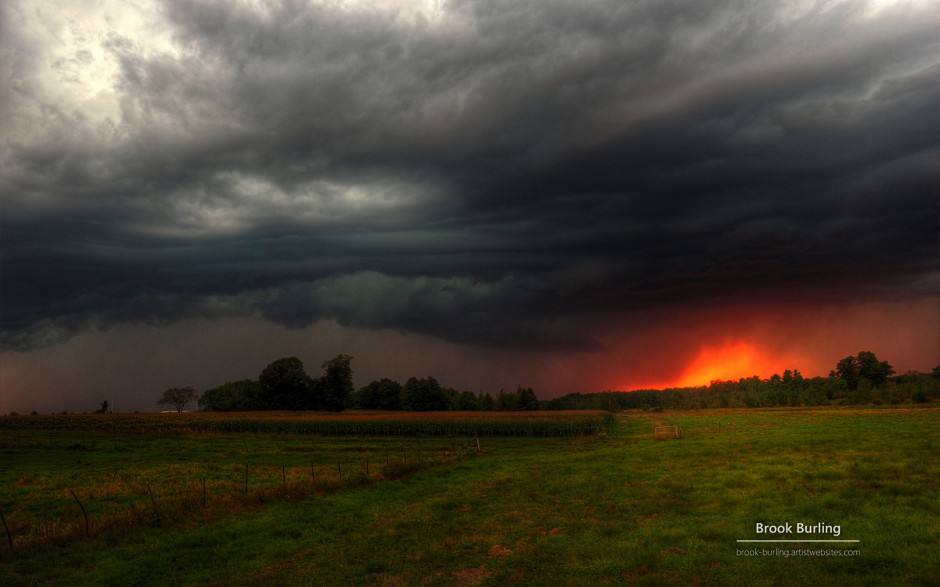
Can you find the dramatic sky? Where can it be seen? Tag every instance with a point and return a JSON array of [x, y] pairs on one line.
[[569, 195]]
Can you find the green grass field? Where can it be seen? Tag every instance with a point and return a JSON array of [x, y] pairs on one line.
[[621, 508]]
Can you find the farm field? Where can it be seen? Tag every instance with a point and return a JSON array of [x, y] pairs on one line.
[[171, 505]]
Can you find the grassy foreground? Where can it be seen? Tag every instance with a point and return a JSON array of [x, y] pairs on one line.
[[616, 509]]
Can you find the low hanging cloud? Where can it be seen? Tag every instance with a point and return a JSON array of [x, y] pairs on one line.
[[459, 309], [483, 172]]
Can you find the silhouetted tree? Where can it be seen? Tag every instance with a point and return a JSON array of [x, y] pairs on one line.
[[521, 399], [486, 402], [792, 377], [526, 399], [177, 397], [453, 398], [505, 401], [423, 395], [467, 402], [847, 370], [336, 384], [232, 396], [872, 369], [382, 394], [284, 385], [865, 364]]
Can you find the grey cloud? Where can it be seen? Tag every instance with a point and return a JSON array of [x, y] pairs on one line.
[[491, 173]]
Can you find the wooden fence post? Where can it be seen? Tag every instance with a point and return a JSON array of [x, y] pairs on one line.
[[7, 528], [84, 514]]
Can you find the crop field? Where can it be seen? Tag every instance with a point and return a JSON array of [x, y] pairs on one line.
[[170, 501], [461, 424], [70, 476]]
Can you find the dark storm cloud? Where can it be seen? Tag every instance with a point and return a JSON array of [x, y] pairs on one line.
[[484, 172]]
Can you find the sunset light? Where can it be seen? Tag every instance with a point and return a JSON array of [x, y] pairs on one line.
[[730, 360]]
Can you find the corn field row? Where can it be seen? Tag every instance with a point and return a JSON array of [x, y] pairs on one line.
[[415, 428], [353, 425]]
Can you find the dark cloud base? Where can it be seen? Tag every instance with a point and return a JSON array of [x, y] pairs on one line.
[[513, 175]]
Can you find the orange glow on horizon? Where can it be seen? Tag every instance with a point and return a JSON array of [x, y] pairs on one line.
[[731, 360], [693, 349]]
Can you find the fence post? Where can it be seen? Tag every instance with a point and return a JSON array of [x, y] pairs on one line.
[[85, 515], [7, 528]]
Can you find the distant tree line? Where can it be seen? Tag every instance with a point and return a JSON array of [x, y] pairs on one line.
[[284, 385], [859, 379], [425, 395]]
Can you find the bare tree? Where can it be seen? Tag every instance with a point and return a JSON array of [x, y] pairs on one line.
[[177, 397]]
